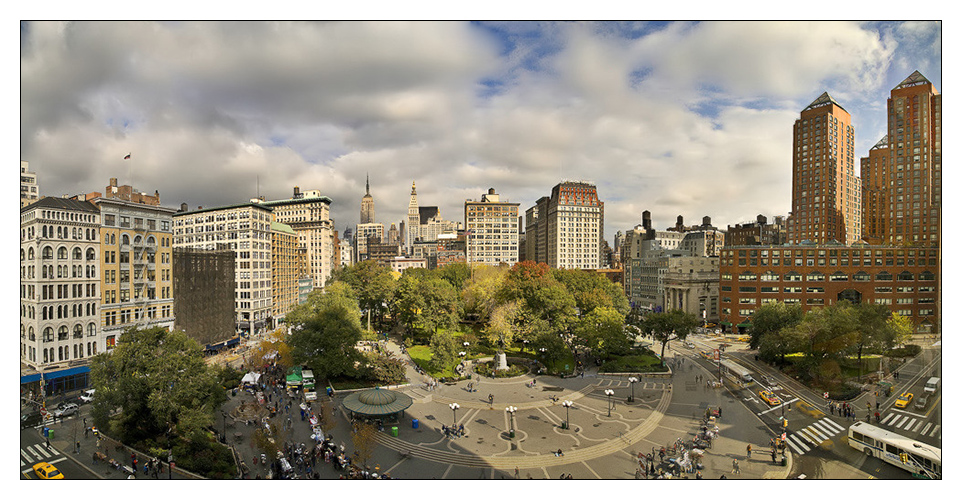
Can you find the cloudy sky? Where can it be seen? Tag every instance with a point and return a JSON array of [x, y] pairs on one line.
[[678, 118]]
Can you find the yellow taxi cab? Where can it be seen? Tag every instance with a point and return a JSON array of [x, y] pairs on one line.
[[904, 400], [43, 470], [770, 398], [707, 354]]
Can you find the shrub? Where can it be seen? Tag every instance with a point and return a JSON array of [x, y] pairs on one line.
[[486, 370], [905, 351], [845, 392], [633, 363]]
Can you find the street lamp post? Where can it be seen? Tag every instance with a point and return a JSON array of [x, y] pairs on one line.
[[511, 410], [609, 393], [454, 407], [567, 404], [631, 382]]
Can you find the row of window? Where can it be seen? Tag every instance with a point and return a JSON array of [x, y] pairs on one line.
[[836, 276]]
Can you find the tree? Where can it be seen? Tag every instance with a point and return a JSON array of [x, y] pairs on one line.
[[772, 317], [456, 273], [371, 283], [386, 369], [554, 348], [364, 439], [872, 329], [444, 350], [325, 332], [273, 348], [501, 327], [425, 303], [592, 290], [160, 381], [780, 343], [481, 291], [666, 326], [603, 331]]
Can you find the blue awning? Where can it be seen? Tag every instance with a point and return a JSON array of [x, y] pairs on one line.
[[26, 379], [233, 341]]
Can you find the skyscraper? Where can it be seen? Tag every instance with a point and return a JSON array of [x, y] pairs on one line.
[[413, 225], [29, 190], [367, 204], [912, 185], [826, 194]]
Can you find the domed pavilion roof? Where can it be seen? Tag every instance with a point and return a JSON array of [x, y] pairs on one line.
[[377, 401]]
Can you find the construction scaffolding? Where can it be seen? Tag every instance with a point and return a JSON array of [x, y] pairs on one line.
[[204, 294]]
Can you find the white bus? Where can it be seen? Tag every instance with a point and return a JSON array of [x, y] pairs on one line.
[[737, 371], [889, 447]]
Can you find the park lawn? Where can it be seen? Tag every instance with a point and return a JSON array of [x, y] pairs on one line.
[[421, 354]]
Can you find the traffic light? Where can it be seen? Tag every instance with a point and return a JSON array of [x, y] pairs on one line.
[[785, 423]]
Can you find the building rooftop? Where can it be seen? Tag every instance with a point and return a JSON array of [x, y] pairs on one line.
[[62, 204]]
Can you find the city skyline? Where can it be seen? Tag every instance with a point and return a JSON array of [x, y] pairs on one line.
[[643, 110]]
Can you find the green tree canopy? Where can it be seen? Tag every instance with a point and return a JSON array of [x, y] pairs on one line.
[[372, 284], [669, 325], [325, 332], [444, 349], [772, 317], [603, 331], [160, 381], [592, 290]]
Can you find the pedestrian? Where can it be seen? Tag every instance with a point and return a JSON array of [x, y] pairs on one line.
[[517, 473], [719, 412], [877, 416], [48, 443], [569, 476], [773, 455], [735, 469], [749, 450]]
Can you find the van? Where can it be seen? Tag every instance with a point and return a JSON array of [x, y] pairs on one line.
[[933, 385], [922, 402], [87, 396]]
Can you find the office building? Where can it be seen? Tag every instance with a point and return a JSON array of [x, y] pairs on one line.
[[308, 213], [491, 227], [568, 227], [904, 279], [60, 258], [246, 230], [136, 282]]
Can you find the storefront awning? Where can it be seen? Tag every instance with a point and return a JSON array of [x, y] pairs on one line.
[[55, 374]]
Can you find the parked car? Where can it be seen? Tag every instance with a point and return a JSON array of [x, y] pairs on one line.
[[30, 420], [904, 400], [87, 396], [43, 470], [67, 410]]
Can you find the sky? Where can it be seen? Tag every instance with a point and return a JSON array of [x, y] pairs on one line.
[[678, 118]]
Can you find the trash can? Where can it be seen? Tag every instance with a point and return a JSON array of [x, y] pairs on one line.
[[50, 434], [512, 433], [414, 424], [46, 432], [394, 431], [784, 461]]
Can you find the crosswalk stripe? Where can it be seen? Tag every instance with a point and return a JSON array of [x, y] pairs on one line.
[[801, 443], [910, 424], [817, 433], [38, 450], [826, 429], [791, 442], [934, 430], [809, 435], [902, 421], [926, 429], [832, 424], [918, 426], [887, 417]]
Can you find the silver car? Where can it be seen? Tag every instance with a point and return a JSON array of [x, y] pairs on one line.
[[66, 410]]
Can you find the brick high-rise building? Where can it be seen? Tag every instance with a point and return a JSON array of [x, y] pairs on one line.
[[826, 194], [904, 171]]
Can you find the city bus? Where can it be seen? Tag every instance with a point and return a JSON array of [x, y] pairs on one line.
[[920, 459], [737, 371]]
